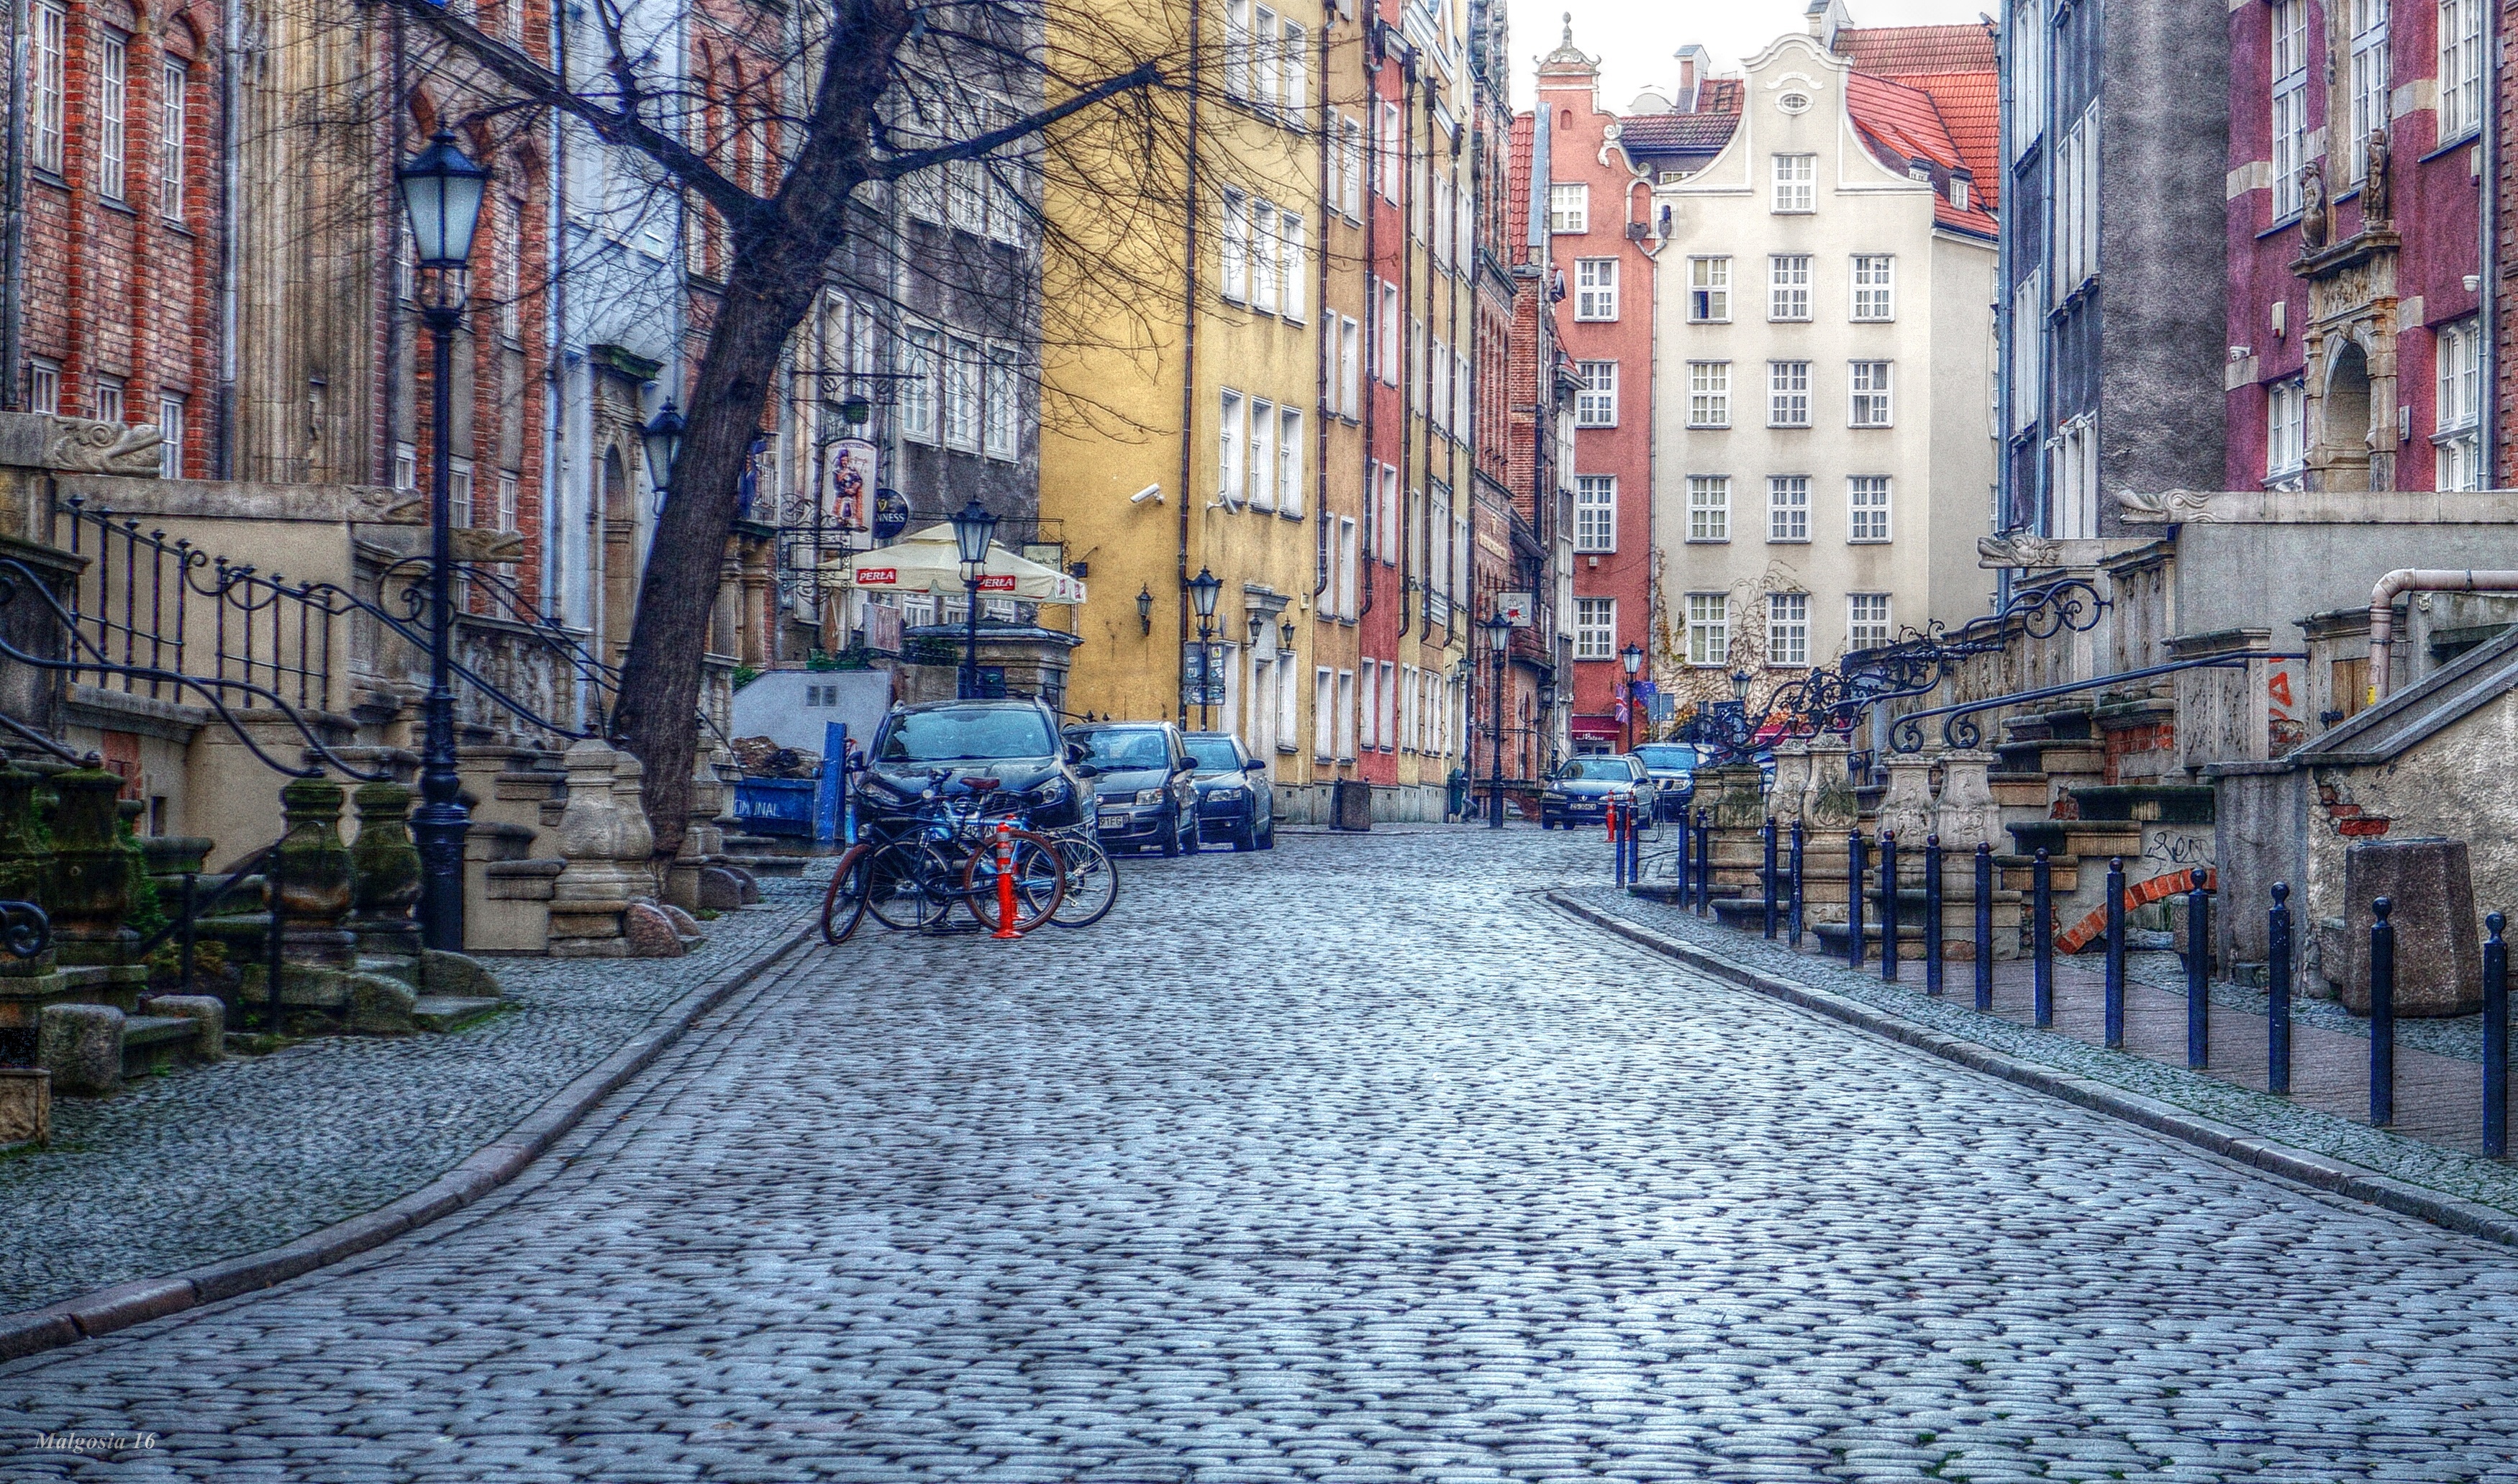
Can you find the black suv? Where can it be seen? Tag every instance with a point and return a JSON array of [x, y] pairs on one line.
[[1015, 742]]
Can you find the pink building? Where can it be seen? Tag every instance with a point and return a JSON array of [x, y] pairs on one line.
[[2354, 349]]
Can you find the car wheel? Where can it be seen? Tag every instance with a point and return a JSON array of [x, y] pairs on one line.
[[1246, 834], [1172, 837], [1268, 842], [1547, 822]]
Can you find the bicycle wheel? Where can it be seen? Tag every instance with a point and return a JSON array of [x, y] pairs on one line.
[[844, 905], [908, 884], [1092, 884], [1038, 876]]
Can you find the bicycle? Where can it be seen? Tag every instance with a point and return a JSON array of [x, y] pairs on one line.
[[910, 875], [1092, 876]]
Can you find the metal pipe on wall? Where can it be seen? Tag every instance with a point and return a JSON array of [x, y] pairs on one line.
[[2404, 580]]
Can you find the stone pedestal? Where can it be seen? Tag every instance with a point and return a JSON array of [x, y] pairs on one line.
[[2438, 952], [81, 1046], [25, 1106], [384, 874], [1966, 814], [703, 842], [89, 894], [1792, 783], [604, 838], [1906, 809], [1827, 805], [312, 875]]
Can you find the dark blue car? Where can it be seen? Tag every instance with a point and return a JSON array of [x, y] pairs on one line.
[[1234, 800], [1672, 766], [1583, 788]]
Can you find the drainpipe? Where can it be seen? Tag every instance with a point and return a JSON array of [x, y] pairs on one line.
[[12, 231], [2489, 277], [2404, 580], [1369, 527], [1188, 366], [1407, 506], [1324, 560], [232, 136]]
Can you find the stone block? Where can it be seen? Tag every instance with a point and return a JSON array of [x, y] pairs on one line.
[[458, 975], [209, 1014], [2439, 949], [26, 1105], [81, 1046], [722, 889], [649, 933], [379, 1005], [683, 921]]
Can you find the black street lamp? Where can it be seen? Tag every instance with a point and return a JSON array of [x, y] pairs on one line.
[[1633, 657], [1545, 755], [973, 526], [441, 191], [1499, 641], [1202, 590]]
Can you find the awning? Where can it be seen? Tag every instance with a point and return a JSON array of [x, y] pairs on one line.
[[928, 561]]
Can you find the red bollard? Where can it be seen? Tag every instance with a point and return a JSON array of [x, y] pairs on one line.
[[1611, 814], [1005, 882]]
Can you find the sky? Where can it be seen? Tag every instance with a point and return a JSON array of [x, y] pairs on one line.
[[1634, 38]]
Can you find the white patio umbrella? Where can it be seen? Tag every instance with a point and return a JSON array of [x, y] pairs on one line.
[[928, 561]]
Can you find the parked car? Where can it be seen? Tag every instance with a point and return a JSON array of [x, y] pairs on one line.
[[1583, 788], [1141, 772], [1013, 741], [1672, 766], [1234, 800]]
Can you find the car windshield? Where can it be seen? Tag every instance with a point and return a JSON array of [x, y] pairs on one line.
[[1670, 756], [955, 733], [1214, 754], [1599, 770], [1124, 748]]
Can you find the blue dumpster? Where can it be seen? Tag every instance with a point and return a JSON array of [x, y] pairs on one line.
[[776, 805]]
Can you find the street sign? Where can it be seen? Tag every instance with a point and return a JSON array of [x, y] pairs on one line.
[[853, 479], [1518, 608], [890, 513]]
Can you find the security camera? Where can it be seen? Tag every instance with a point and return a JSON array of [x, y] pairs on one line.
[[1152, 492]]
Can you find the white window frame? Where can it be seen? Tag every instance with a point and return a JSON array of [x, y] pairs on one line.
[[1866, 619], [1350, 151], [1792, 183], [1261, 471], [170, 433], [1233, 278], [1875, 287], [458, 493], [921, 386], [1788, 394], [1788, 629], [1870, 394], [1788, 509], [1289, 246], [2371, 82], [2286, 430], [1595, 512], [1237, 48], [1323, 712], [1709, 290], [43, 386], [1708, 509], [1866, 509], [962, 413], [1393, 138], [1595, 289], [2460, 68], [1568, 208], [1595, 628], [1708, 394], [1294, 77], [1000, 398], [48, 83], [2286, 62], [1788, 287], [174, 83], [108, 399], [1709, 629], [2458, 408], [1290, 462], [507, 506], [1266, 261], [1231, 429], [1350, 369], [1386, 343], [2027, 76], [1595, 404], [112, 115]]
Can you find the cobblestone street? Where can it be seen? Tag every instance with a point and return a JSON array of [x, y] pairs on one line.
[[1353, 1162]]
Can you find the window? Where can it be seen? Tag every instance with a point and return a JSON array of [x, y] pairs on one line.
[[406, 469], [2074, 479], [2460, 68], [1351, 172], [1868, 381], [1708, 507], [1596, 403], [112, 111], [2077, 205], [1788, 508], [1235, 282], [1595, 512], [171, 429], [1264, 71], [507, 500], [1350, 370], [1795, 183], [170, 143], [1874, 287], [1346, 578], [1237, 49], [1709, 290], [2027, 348], [1228, 457], [1568, 208], [2028, 74], [1002, 399], [1386, 347], [1866, 500], [1262, 470], [109, 399], [47, 83], [2371, 80], [1295, 62], [1788, 276], [1708, 394], [2460, 407], [962, 395], [1462, 406], [2289, 66], [1709, 627], [1394, 145], [1786, 628], [1289, 461], [2286, 430], [1958, 192], [1866, 619], [1385, 530], [1324, 714], [43, 386], [1346, 715], [1289, 244], [1389, 726], [1595, 289], [918, 386], [1266, 264], [1596, 629], [1788, 394], [459, 491], [1367, 732]]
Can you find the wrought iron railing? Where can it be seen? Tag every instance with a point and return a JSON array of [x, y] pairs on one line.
[[1959, 732]]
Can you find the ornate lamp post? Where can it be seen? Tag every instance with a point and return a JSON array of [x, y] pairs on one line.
[[1543, 756], [1633, 658], [441, 191], [1499, 642], [973, 526], [1202, 590]]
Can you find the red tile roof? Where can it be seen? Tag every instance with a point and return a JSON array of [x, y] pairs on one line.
[[1896, 50], [1516, 222], [1659, 133], [1971, 107], [1903, 124]]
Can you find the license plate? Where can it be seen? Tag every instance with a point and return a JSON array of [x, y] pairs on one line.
[[1111, 819]]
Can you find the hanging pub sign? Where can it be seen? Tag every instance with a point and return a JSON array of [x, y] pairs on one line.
[[890, 513], [852, 482]]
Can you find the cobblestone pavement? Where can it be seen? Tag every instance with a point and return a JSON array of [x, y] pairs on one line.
[[1348, 1163], [253, 1152]]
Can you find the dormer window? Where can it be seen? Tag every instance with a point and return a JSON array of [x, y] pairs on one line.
[[1958, 192]]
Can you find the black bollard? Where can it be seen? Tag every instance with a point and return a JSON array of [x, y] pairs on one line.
[[1854, 879], [2042, 940], [2495, 1039], [2115, 954], [1704, 864], [1797, 885], [1932, 914], [1686, 856], [2382, 1015], [1888, 907], [2277, 992], [2199, 975], [1769, 876], [1984, 927], [1617, 844]]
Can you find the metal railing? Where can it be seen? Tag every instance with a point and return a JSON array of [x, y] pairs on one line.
[[1958, 731]]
